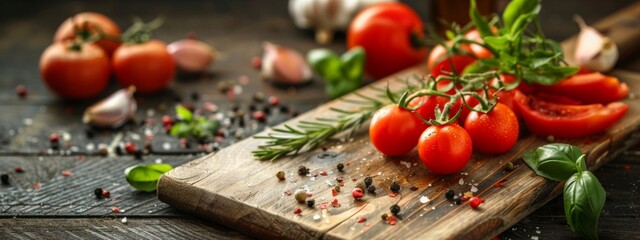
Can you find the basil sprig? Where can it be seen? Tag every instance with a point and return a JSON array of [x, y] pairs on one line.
[[199, 127], [342, 74], [145, 177], [583, 195]]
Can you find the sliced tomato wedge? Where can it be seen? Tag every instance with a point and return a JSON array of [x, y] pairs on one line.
[[589, 88], [545, 118]]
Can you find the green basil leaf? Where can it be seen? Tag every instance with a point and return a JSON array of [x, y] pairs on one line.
[[517, 8], [543, 60], [205, 128], [327, 64], [145, 177], [522, 22], [481, 24], [497, 43], [183, 113], [547, 74], [584, 198], [353, 65], [181, 129], [556, 161]]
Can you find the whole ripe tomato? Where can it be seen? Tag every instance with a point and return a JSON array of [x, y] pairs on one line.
[[459, 62], [494, 132], [429, 104], [504, 97], [445, 149], [394, 131], [476, 49], [545, 118], [385, 31], [148, 65], [90, 25], [588, 88], [439, 53], [73, 70]]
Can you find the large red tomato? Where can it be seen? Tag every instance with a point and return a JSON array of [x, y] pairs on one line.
[[395, 131], [445, 149], [90, 25], [494, 132], [73, 70], [148, 66], [588, 88], [385, 31], [545, 118]]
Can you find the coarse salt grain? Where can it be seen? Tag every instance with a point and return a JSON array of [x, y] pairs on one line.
[[424, 199], [461, 181]]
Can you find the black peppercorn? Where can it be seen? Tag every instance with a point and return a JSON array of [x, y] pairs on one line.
[[118, 150], [368, 181], [137, 154], [302, 171], [395, 209], [340, 167], [395, 187], [384, 216], [5, 179], [457, 200], [195, 96], [311, 202], [98, 193], [371, 189], [449, 194]]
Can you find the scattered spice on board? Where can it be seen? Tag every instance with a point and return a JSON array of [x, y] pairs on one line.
[[392, 220], [287, 192], [66, 173], [334, 192], [37, 186], [335, 202], [414, 188], [300, 195], [303, 171], [368, 181], [115, 209], [5, 179], [361, 220], [18, 169], [323, 173], [280, 175], [357, 193], [297, 211], [371, 189], [21, 91], [474, 202], [340, 167], [311, 202], [395, 209], [449, 194]]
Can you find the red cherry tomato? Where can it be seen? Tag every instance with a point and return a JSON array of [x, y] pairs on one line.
[[90, 24], [429, 104], [74, 71], [544, 118], [148, 66], [504, 97], [385, 32], [445, 149], [476, 49], [459, 62], [394, 131], [438, 53], [589, 88], [494, 132]]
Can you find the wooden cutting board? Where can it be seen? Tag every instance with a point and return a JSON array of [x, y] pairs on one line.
[[232, 188]]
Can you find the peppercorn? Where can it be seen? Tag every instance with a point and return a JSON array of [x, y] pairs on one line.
[[340, 167], [280, 175], [259, 115], [137, 154], [284, 109], [274, 101], [474, 202], [90, 133], [395, 209], [510, 166], [195, 96], [303, 171], [258, 97], [361, 185], [449, 194], [395, 187], [300, 195], [384, 216], [129, 147], [457, 200], [414, 188], [357, 193], [339, 179], [311, 202], [118, 150], [371, 189], [5, 179], [98, 193], [368, 181], [103, 151], [266, 110], [19, 169], [337, 188], [21, 90]]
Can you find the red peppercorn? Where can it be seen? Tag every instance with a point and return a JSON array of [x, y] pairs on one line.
[[66, 173], [474, 202], [335, 203], [166, 120], [105, 193], [259, 115], [274, 101], [21, 90], [297, 211], [361, 219], [19, 169], [323, 173], [334, 192], [37, 186], [256, 62], [357, 193], [115, 209], [54, 138], [130, 147]]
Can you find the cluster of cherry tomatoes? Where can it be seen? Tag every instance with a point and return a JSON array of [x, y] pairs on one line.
[[485, 119], [89, 47]]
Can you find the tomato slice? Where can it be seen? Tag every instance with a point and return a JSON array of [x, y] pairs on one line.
[[545, 118], [589, 88]]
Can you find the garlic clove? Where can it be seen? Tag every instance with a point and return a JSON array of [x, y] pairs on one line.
[[113, 111], [593, 50], [192, 55], [282, 65]]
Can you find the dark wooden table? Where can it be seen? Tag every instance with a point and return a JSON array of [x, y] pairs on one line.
[[65, 207]]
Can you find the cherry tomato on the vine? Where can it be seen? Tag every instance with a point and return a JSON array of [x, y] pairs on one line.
[[459, 62], [148, 65], [387, 31], [494, 132], [91, 25], [477, 50], [75, 70], [439, 53], [394, 131], [429, 104], [445, 149]]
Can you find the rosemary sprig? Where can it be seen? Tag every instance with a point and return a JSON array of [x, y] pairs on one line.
[[286, 140]]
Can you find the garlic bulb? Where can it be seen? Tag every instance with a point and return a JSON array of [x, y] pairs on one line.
[[285, 66], [326, 15], [593, 50], [113, 111]]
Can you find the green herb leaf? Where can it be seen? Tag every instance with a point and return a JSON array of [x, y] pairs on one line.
[[326, 63], [584, 198], [145, 177], [183, 113], [498, 43], [204, 127], [481, 24], [342, 74], [353, 64], [517, 8], [555, 161]]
